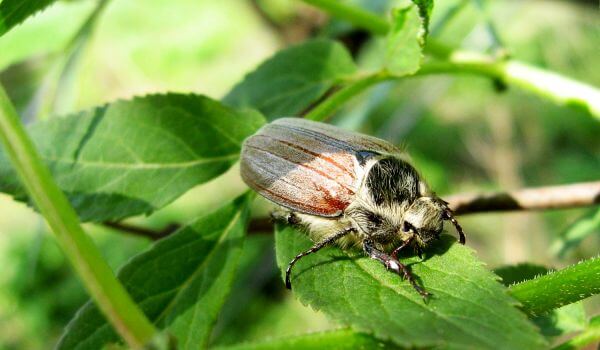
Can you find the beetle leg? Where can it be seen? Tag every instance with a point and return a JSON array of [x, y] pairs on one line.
[[316, 247], [419, 251], [286, 216], [397, 250], [393, 264]]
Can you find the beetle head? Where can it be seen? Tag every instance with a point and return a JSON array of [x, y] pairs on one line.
[[424, 219]]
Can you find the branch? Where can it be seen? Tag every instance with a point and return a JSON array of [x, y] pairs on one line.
[[540, 198], [337, 99], [106, 291], [353, 14]]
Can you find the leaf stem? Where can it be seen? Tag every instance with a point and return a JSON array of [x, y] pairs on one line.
[[548, 292], [549, 85], [337, 99], [353, 14], [97, 276]]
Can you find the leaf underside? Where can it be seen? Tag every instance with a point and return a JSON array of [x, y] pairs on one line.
[[180, 283], [133, 157], [292, 79], [469, 308]]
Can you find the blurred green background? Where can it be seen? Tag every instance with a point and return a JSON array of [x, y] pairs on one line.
[[464, 133]]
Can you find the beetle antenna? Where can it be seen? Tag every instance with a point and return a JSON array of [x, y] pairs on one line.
[[461, 234]]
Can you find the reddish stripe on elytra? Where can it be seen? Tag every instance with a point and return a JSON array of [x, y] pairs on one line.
[[331, 200], [320, 172]]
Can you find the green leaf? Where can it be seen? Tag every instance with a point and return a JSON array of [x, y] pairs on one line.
[[581, 229], [469, 308], [13, 12], [256, 268], [341, 339], [45, 34], [567, 319], [290, 81], [544, 293], [180, 283], [132, 157], [425, 8], [404, 42]]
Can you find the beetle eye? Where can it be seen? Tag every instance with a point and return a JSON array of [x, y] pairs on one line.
[[407, 227]]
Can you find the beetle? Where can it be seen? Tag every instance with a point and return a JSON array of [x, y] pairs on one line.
[[344, 188]]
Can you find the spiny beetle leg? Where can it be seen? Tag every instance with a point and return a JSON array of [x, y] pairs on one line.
[[316, 247]]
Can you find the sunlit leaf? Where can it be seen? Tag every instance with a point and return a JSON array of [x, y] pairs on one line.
[[180, 283], [469, 308], [292, 79], [404, 43], [132, 157]]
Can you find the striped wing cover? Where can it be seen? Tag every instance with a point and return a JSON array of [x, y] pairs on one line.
[[306, 166]]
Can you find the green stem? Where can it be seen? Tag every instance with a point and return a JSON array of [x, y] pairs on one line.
[[353, 88], [97, 276], [589, 336], [549, 85], [353, 14], [548, 292]]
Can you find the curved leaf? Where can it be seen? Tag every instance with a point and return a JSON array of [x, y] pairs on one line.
[[132, 157], [13, 12], [292, 79], [180, 283], [405, 40], [469, 308]]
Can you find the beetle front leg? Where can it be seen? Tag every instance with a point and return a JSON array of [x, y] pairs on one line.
[[393, 264], [329, 240]]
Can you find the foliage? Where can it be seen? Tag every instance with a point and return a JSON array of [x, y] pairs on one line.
[[287, 83], [137, 156], [13, 12], [133, 157], [180, 283], [468, 307]]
